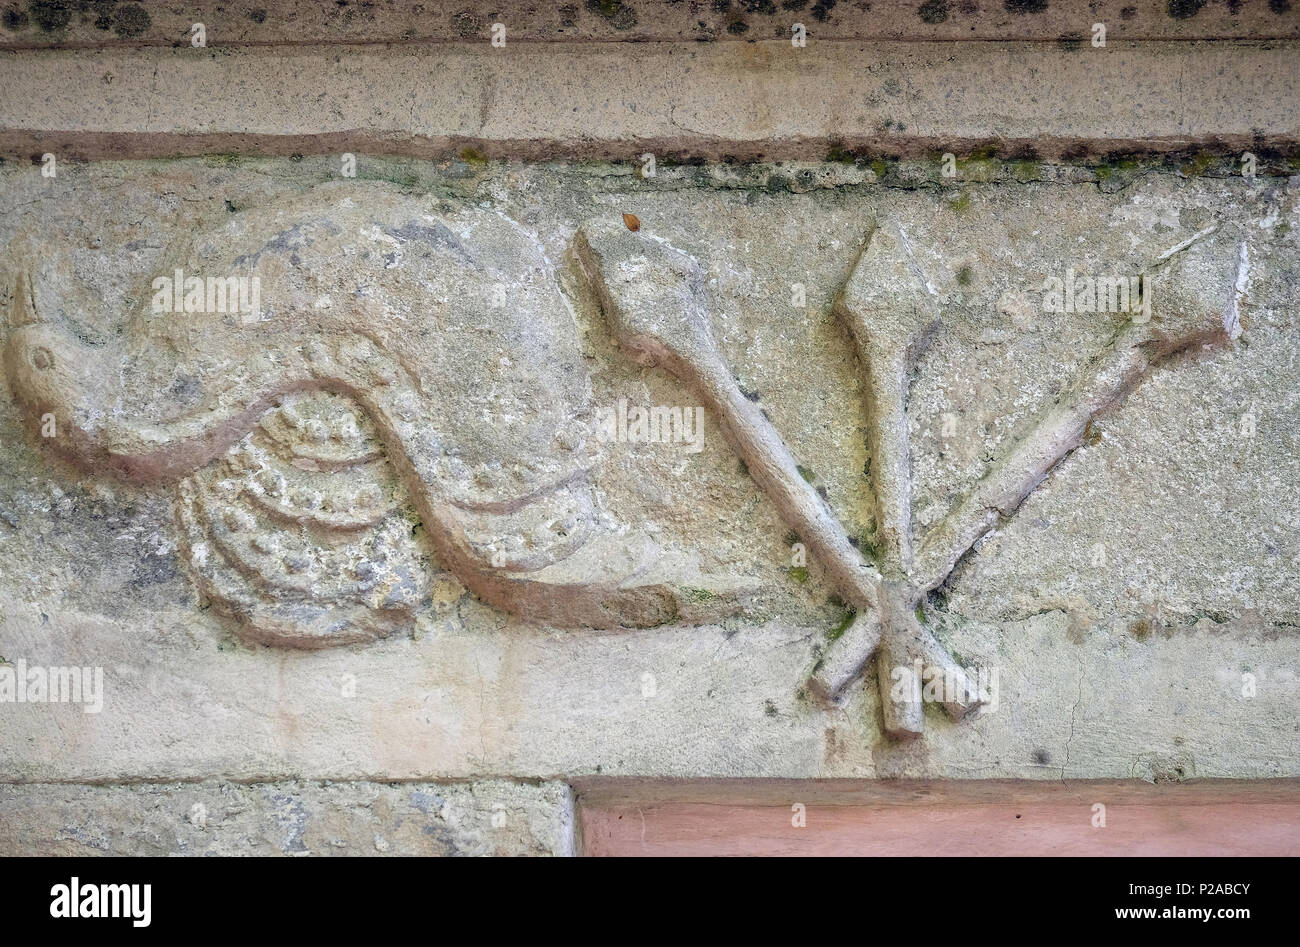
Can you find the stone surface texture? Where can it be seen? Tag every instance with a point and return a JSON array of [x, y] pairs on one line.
[[60, 24], [292, 818], [386, 561], [1129, 666], [725, 100]]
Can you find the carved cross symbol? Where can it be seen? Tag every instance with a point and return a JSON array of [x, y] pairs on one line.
[[656, 299]]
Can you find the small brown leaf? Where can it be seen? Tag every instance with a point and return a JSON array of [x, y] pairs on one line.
[[632, 222]]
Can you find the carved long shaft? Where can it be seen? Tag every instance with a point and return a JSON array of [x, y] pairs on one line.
[[1200, 292], [651, 293], [1058, 431], [776, 473], [885, 379], [653, 297], [888, 306]]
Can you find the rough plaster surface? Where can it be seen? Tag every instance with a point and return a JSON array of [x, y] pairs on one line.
[[1128, 669], [490, 817]]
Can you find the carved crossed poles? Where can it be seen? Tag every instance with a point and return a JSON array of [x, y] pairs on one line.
[[656, 299]]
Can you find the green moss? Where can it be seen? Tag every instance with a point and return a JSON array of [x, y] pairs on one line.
[[1198, 165], [920, 613], [791, 538], [842, 626], [223, 160], [620, 17], [880, 168], [977, 168], [965, 276], [402, 177], [1023, 170], [805, 473], [472, 156], [837, 153], [961, 203], [700, 595], [799, 574], [1282, 229]]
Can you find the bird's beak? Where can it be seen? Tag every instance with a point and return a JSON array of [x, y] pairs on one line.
[[22, 307]]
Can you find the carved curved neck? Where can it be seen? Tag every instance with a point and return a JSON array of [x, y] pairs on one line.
[[95, 430]]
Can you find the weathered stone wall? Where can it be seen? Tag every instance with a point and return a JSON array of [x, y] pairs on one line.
[[422, 594]]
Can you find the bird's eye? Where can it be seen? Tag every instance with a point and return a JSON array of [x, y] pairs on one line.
[[42, 358]]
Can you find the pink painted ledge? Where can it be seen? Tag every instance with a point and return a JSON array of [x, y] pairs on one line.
[[761, 817]]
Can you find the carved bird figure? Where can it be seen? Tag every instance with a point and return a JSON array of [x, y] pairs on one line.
[[407, 396]]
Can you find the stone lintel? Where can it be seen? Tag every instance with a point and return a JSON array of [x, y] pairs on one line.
[[741, 101]]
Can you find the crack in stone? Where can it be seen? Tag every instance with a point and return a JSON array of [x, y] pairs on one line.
[[1074, 712]]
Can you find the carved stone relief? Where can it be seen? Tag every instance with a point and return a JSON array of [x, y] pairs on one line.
[[329, 463], [325, 460]]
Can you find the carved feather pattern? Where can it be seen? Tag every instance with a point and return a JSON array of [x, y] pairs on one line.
[[304, 532]]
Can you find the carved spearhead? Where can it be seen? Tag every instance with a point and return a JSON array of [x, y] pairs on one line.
[[654, 294]]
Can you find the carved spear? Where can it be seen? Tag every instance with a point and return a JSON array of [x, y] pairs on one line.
[[655, 298]]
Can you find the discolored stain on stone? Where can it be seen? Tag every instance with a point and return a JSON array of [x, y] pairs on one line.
[[619, 15], [131, 20], [50, 15], [13, 19], [1185, 9], [933, 11], [821, 10]]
